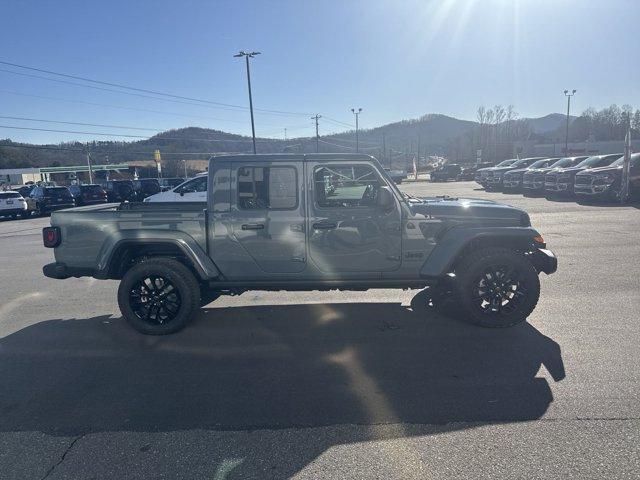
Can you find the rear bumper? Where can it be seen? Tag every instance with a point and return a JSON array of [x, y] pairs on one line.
[[545, 260], [60, 271], [53, 208], [12, 211]]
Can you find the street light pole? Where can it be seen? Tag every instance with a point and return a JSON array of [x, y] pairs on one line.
[[566, 136], [356, 113], [247, 56]]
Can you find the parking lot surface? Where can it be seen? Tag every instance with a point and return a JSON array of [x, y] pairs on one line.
[[330, 384]]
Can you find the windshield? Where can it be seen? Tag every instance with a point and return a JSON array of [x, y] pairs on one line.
[[57, 192], [540, 163], [563, 162], [505, 163], [9, 195], [91, 188]]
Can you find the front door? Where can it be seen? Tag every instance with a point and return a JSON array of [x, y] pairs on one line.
[[348, 232]]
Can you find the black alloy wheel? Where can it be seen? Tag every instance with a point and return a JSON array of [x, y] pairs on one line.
[[155, 300], [499, 290], [496, 287], [158, 296]]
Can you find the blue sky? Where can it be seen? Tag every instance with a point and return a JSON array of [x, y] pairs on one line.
[[395, 59]]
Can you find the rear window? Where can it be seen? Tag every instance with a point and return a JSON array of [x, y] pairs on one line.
[[4, 195], [92, 189], [57, 192]]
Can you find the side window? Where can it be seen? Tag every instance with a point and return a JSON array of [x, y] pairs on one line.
[[345, 186], [194, 186], [274, 188]]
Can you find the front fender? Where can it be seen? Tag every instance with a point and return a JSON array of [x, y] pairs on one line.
[[188, 246], [451, 244]]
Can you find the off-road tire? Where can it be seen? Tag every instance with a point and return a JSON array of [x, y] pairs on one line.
[[471, 271], [180, 277]]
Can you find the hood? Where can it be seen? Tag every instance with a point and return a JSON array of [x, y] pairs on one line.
[[519, 170], [571, 169], [544, 170], [501, 169], [606, 169], [471, 210]]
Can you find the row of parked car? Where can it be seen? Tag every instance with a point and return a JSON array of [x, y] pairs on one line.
[[42, 199], [597, 177]]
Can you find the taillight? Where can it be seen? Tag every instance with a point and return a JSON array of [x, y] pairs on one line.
[[51, 237]]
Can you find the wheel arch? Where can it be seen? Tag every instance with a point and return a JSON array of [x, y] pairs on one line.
[[117, 257], [454, 245]]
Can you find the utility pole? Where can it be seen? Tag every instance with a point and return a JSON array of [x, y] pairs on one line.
[[624, 187], [356, 113], [384, 147], [184, 162], [566, 136], [316, 117], [89, 165], [247, 56], [285, 134]]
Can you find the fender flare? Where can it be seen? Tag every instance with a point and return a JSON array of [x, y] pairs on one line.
[[202, 264], [453, 242]]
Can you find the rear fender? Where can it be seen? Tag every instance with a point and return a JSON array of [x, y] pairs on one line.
[[197, 257]]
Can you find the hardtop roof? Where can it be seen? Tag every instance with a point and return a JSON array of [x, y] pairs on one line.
[[289, 157]]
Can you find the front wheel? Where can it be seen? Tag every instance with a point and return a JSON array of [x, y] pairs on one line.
[[158, 296], [497, 287]]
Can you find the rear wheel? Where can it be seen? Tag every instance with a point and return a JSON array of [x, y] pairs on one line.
[[496, 287], [158, 296]]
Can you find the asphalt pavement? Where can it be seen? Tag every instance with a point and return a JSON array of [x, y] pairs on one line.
[[333, 385]]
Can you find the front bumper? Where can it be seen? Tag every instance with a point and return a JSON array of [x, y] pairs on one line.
[[511, 183], [545, 260]]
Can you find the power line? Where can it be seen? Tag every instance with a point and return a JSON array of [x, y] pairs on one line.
[[338, 122], [66, 82], [80, 123], [122, 107], [102, 150], [14, 127], [153, 92]]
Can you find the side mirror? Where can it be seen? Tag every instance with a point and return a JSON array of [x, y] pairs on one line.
[[385, 199], [182, 193]]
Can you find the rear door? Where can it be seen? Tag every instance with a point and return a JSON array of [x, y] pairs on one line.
[[348, 233], [264, 231]]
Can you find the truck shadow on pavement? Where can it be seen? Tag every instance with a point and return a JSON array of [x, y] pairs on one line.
[[275, 367]]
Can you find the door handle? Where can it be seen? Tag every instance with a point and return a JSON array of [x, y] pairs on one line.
[[253, 226], [324, 225]]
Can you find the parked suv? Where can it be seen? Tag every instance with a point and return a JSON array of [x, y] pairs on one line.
[[447, 172], [513, 178], [533, 180], [12, 204], [302, 222], [482, 174], [44, 200], [88, 194], [495, 175], [119, 190], [145, 187], [604, 183], [560, 181]]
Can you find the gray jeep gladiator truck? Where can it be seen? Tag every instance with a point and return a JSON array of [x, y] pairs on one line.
[[301, 222]]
